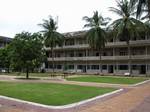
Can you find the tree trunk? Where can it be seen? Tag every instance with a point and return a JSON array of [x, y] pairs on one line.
[[8, 70], [27, 73], [100, 56], [129, 60], [52, 52]]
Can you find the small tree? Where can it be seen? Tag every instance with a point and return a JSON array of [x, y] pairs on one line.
[[27, 52]]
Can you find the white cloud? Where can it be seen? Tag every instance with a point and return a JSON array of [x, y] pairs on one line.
[[24, 15]]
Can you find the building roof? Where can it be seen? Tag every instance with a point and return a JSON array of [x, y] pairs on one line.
[[5, 39], [74, 34]]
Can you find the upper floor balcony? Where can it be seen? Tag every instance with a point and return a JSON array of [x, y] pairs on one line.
[[105, 58], [108, 45]]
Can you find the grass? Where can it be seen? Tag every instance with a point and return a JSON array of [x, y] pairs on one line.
[[50, 94], [108, 79]]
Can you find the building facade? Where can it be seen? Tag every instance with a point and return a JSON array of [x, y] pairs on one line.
[[4, 41], [76, 56]]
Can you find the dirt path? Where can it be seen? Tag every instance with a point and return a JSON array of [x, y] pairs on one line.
[[135, 99]]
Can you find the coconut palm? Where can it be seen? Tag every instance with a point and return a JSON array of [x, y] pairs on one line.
[[96, 35], [52, 38], [126, 28], [142, 5]]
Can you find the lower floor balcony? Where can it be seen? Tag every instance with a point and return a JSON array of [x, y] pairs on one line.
[[97, 58]]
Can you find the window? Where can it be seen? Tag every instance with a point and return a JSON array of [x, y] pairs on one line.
[[123, 53], [80, 55], [95, 67], [50, 66], [59, 66], [97, 54], [71, 54], [88, 67], [57, 54], [104, 54], [123, 67], [134, 67], [71, 66], [79, 67], [104, 67]]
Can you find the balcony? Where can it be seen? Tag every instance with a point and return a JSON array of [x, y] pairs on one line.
[[105, 58], [109, 44]]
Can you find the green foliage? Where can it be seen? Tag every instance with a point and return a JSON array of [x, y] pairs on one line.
[[143, 6], [5, 58], [27, 51], [96, 36], [51, 37], [127, 27]]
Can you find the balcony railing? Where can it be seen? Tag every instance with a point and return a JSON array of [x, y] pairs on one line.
[[109, 44], [96, 58]]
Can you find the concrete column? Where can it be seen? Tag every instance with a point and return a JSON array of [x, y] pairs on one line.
[[75, 67], [146, 60], [114, 70], [86, 55]]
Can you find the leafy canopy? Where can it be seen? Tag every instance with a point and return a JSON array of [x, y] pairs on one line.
[[27, 51], [96, 36], [126, 27]]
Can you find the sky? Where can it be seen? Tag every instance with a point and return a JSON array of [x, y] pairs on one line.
[[25, 15]]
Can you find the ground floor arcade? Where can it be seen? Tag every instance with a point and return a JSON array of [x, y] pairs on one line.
[[112, 68]]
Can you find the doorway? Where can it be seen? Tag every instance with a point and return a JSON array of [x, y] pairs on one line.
[[143, 69], [110, 69], [84, 68]]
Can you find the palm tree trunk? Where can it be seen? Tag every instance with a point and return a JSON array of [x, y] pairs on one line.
[[129, 60], [52, 52], [100, 56]]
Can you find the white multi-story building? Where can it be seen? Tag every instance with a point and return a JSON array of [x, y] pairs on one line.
[[77, 56]]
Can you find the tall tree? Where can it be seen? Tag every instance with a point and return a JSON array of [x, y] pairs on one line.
[[96, 35], [127, 27], [27, 52], [52, 38], [142, 6]]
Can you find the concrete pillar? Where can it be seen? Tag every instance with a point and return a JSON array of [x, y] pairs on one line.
[[86, 55], [146, 60], [75, 67]]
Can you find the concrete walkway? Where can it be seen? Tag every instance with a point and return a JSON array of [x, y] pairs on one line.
[[135, 99], [61, 81]]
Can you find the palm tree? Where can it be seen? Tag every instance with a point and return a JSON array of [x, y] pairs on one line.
[[52, 37], [126, 28], [142, 5], [96, 35]]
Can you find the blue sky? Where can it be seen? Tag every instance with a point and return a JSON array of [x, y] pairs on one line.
[[24, 15]]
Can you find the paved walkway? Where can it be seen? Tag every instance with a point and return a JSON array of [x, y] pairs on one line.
[[135, 99], [61, 81]]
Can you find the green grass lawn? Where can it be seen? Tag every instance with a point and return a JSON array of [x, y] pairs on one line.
[[109, 79], [50, 94]]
